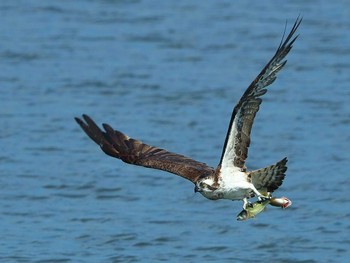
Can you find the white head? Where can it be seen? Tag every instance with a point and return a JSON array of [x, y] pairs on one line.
[[206, 186]]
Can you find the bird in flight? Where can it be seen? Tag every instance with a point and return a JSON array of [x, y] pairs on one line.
[[230, 179]]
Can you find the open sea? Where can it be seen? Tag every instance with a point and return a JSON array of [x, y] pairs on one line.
[[169, 73]]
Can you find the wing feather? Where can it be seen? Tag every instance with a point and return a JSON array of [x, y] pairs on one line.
[[237, 140], [117, 144]]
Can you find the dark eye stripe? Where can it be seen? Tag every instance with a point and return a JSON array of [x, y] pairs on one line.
[[211, 188]]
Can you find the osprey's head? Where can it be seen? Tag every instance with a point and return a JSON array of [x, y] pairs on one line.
[[206, 186]]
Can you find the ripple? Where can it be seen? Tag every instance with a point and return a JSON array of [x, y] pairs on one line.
[[171, 72], [108, 190], [73, 196], [54, 260], [212, 248], [19, 56]]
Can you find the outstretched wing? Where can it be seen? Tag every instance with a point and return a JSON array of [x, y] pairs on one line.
[[268, 179], [237, 140], [119, 145]]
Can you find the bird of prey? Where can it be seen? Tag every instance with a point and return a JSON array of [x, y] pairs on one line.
[[230, 179]]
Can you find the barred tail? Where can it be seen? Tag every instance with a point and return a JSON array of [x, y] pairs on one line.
[[268, 179]]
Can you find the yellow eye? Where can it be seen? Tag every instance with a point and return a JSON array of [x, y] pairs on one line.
[[203, 185]]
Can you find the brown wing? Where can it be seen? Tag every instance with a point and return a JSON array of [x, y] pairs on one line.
[[237, 139], [119, 145]]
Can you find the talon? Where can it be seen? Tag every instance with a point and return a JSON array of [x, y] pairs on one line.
[[246, 203], [263, 198]]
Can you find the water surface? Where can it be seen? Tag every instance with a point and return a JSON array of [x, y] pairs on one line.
[[169, 73]]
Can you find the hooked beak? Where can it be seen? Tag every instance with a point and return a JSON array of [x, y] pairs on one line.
[[196, 189]]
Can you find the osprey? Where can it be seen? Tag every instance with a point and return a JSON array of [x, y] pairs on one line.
[[231, 179]]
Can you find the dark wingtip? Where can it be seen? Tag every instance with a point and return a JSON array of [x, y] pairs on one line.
[[79, 121], [90, 128], [288, 41], [84, 116], [87, 118], [108, 128]]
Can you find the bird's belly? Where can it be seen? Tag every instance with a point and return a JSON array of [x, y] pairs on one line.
[[235, 187], [231, 194], [236, 193]]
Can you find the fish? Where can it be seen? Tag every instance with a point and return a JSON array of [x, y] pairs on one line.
[[283, 202], [253, 209]]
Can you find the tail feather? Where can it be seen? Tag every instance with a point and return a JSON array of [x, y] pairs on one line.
[[268, 179]]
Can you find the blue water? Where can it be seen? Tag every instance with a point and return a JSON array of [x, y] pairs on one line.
[[169, 73]]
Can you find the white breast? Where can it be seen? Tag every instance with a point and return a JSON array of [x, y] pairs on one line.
[[234, 184]]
